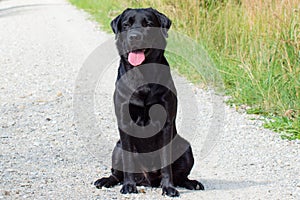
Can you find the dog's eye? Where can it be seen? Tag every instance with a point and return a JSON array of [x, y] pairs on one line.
[[147, 24], [126, 25]]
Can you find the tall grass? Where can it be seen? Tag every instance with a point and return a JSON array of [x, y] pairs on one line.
[[255, 45]]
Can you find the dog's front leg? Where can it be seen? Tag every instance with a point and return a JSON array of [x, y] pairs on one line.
[[129, 185], [166, 160], [124, 125]]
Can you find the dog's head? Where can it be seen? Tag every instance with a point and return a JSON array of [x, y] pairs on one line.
[[139, 33]]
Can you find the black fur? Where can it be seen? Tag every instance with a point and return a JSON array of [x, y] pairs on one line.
[[133, 23]]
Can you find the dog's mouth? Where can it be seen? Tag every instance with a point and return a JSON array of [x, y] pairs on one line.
[[136, 57]]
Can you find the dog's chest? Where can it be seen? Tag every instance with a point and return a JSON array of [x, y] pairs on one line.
[[148, 95], [140, 96]]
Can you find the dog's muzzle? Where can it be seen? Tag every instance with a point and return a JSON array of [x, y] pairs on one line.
[[136, 55]]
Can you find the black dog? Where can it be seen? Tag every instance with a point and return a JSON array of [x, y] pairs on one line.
[[141, 40]]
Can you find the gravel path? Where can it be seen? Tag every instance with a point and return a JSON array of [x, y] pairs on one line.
[[43, 156]]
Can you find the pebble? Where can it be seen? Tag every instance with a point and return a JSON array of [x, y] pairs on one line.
[[25, 184]]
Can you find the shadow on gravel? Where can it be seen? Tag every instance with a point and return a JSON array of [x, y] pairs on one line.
[[216, 184], [14, 10]]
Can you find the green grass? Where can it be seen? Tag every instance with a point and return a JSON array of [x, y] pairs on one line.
[[102, 10], [254, 44], [289, 128]]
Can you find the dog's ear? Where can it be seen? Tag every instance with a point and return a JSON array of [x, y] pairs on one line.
[[115, 24], [165, 22]]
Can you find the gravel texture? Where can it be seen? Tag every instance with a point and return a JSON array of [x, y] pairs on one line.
[[43, 156]]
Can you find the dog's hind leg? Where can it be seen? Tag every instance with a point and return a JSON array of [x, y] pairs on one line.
[[110, 181], [191, 184], [181, 169], [117, 175]]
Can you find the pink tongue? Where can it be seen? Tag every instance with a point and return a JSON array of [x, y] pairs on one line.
[[136, 58]]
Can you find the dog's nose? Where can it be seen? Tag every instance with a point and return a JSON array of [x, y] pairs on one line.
[[135, 37]]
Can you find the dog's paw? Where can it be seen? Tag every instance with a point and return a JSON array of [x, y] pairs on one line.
[[170, 191], [193, 185], [129, 188], [103, 182]]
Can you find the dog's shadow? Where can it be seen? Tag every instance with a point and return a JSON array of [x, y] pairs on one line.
[[218, 184]]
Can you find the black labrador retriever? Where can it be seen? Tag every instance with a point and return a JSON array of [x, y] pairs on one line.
[[141, 40]]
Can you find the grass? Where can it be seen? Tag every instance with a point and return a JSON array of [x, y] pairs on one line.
[[254, 44]]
